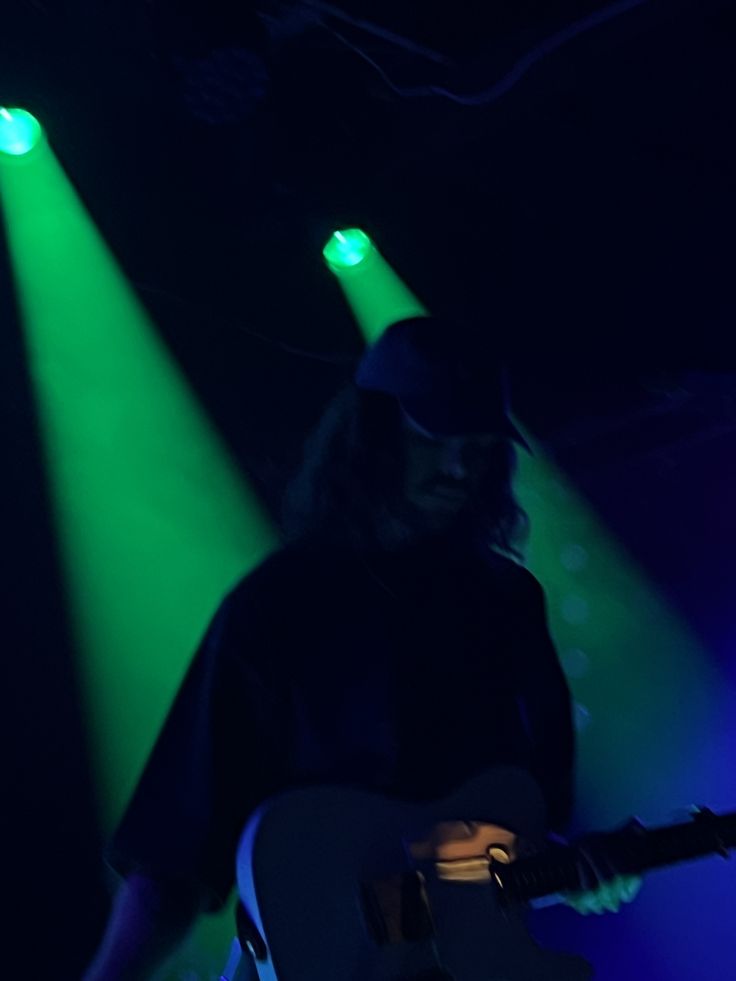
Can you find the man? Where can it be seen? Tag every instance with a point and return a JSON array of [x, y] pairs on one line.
[[333, 660]]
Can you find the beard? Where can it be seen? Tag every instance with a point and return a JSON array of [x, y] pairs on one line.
[[407, 523]]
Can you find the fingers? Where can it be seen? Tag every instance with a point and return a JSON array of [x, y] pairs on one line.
[[597, 901], [607, 897], [630, 884]]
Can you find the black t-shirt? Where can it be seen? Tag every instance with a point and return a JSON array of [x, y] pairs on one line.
[[404, 673]]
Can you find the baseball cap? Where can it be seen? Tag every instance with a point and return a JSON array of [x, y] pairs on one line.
[[443, 379]]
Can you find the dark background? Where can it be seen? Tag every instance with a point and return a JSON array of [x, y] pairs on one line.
[[582, 223]]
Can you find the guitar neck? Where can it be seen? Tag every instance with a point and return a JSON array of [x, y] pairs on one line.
[[629, 851]]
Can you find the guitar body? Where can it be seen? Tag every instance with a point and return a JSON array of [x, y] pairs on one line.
[[306, 859]]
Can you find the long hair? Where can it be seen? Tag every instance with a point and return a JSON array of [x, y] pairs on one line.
[[349, 488]]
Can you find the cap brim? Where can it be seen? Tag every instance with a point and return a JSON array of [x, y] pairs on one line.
[[442, 419]]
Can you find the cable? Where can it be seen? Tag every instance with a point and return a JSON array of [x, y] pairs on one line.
[[331, 11], [520, 68]]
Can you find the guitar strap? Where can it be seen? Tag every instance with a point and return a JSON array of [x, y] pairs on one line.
[[248, 933]]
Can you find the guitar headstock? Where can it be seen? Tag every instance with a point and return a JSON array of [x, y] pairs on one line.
[[722, 827]]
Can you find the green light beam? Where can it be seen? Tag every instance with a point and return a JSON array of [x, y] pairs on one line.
[[645, 687], [154, 521], [374, 292]]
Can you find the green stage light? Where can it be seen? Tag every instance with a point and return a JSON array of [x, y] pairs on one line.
[[347, 248], [375, 293], [19, 131], [147, 501]]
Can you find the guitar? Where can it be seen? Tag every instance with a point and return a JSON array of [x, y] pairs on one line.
[[344, 885]]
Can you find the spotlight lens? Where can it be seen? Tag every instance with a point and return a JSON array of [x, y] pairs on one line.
[[347, 248], [19, 131]]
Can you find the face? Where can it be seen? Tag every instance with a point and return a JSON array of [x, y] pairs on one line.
[[442, 473]]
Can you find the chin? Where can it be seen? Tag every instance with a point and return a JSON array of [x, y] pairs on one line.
[[413, 523]]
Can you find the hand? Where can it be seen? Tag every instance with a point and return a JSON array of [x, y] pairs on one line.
[[606, 897], [604, 888]]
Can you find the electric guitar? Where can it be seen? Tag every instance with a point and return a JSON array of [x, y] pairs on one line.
[[344, 885]]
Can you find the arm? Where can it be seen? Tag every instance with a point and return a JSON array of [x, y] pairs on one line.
[[545, 703], [215, 759], [148, 921], [547, 707]]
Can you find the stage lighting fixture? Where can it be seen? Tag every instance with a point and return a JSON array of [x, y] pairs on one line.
[[19, 131], [347, 248]]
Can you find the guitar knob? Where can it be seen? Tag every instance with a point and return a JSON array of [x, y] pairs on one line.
[[499, 853]]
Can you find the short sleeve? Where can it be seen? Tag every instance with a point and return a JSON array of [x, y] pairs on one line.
[[220, 753]]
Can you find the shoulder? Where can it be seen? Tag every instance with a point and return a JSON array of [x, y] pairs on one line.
[[514, 578]]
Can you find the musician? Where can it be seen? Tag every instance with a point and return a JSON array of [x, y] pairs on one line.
[[395, 642]]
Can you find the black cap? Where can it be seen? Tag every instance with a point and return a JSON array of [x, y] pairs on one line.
[[443, 380]]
